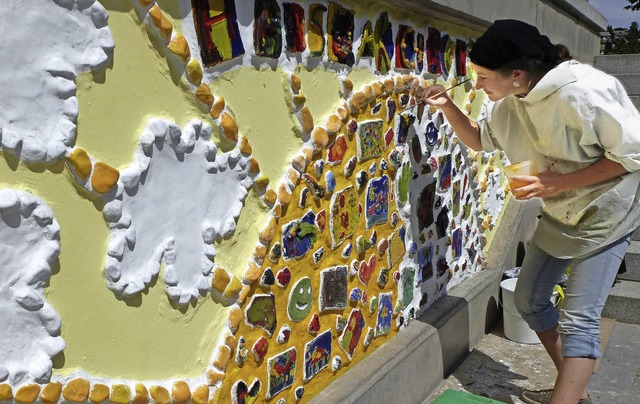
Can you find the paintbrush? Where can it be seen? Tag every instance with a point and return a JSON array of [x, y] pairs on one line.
[[444, 91]]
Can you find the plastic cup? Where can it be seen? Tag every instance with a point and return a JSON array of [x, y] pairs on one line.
[[527, 167]]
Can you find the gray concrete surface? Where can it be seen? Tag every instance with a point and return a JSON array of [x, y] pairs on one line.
[[625, 68]]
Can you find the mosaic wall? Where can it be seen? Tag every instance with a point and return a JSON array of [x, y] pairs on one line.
[[379, 211]]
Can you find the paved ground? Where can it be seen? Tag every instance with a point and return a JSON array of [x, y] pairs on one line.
[[500, 369]]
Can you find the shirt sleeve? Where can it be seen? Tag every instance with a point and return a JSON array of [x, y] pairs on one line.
[[617, 127]]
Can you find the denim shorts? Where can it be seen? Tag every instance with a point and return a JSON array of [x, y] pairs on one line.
[[590, 280]]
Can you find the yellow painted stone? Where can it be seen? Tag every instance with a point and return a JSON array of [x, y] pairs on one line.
[[220, 280], [221, 357], [333, 123], [229, 126], [299, 100], [214, 376], [284, 196], [120, 394], [99, 393], [28, 393], [180, 47], [254, 166], [377, 89], [266, 235], [389, 85], [358, 101], [160, 21], [262, 183], [235, 317], [180, 392], [203, 94], [5, 392], [347, 87], [244, 293], [160, 395], [245, 147], [251, 273], [305, 119], [217, 107], [81, 163], [141, 395], [76, 390], [234, 287], [200, 395], [296, 84], [320, 138], [270, 196], [51, 392], [104, 177]]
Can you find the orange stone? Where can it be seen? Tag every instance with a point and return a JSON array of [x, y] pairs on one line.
[[217, 107], [284, 196], [377, 90], [358, 101], [180, 392], [203, 94], [200, 395], [229, 339], [251, 273], [214, 376], [296, 84], [299, 161], [81, 163], [342, 112], [99, 393], [120, 394], [229, 126], [320, 138], [160, 395], [221, 357], [76, 390], [254, 166], [141, 396], [266, 235], [270, 196], [347, 87], [27, 393], [245, 147], [244, 293], [262, 183], [368, 93], [193, 71], [5, 392], [236, 315], [220, 280], [389, 85], [305, 119], [160, 21], [333, 123], [299, 100], [259, 251], [180, 47], [104, 177], [51, 392], [233, 288]]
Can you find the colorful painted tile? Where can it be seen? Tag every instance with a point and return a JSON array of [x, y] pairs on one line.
[[346, 251], [294, 27], [444, 172], [416, 149], [300, 300], [283, 277], [321, 220], [456, 248], [298, 236], [377, 201], [283, 334], [383, 277], [330, 180], [281, 371], [341, 323], [317, 354], [340, 30], [392, 108], [260, 348], [461, 57], [344, 215], [455, 209], [369, 140], [433, 51], [425, 206], [442, 222], [316, 32], [352, 332], [314, 324], [349, 167], [425, 257], [243, 394], [367, 43], [318, 254], [261, 312], [376, 109], [431, 134], [267, 29], [337, 150], [405, 44], [336, 363], [355, 295], [383, 36], [366, 269], [406, 120], [448, 50], [420, 53], [385, 312], [333, 288], [217, 31], [407, 276], [396, 249]]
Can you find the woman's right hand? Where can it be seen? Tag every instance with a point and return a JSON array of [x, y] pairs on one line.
[[438, 100]]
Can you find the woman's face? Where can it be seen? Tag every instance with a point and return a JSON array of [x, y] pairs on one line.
[[495, 84]]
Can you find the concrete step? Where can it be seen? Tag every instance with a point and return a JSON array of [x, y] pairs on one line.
[[632, 262], [631, 82], [618, 64], [623, 302]]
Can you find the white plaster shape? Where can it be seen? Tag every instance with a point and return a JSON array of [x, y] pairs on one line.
[[30, 327], [173, 201], [44, 47]]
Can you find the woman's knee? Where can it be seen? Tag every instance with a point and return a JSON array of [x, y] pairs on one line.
[[523, 300]]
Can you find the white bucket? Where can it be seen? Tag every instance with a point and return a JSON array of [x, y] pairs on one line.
[[515, 328]]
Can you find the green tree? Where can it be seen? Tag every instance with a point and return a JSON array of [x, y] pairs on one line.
[[633, 5]]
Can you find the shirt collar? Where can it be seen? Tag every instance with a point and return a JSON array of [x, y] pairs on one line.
[[551, 82]]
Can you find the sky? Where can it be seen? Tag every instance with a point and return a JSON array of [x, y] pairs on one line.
[[614, 12]]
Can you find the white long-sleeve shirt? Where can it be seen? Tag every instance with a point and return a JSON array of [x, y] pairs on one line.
[[574, 116]]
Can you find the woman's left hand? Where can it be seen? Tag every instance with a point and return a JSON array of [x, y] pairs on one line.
[[543, 185]]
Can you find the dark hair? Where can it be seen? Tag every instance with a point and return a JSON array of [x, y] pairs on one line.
[[511, 44], [563, 52]]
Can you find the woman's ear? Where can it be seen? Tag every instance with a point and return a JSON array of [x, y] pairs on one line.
[[518, 75]]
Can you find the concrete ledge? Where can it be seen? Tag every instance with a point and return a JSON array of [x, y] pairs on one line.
[[414, 362], [623, 302], [630, 82], [618, 64]]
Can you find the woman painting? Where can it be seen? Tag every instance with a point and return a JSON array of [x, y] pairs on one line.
[[582, 131]]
